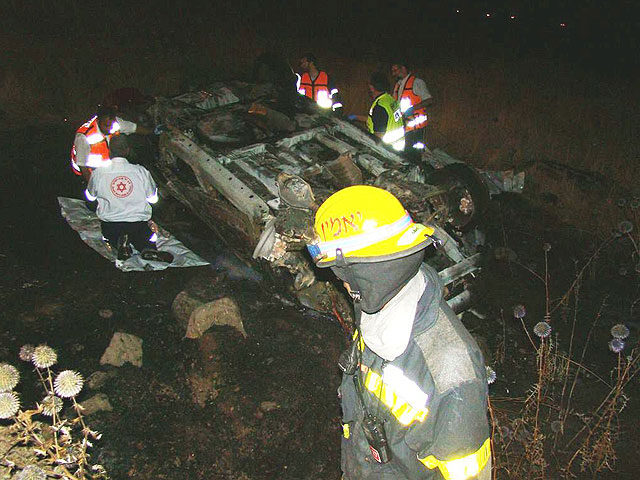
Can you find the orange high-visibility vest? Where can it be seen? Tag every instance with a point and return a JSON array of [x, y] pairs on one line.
[[97, 141], [311, 88], [407, 99]]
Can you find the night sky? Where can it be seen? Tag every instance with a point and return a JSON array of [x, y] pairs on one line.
[[593, 33]]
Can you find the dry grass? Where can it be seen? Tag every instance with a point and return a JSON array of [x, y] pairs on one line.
[[493, 115], [546, 434]]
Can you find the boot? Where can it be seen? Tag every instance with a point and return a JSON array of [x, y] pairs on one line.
[[124, 249], [157, 255]]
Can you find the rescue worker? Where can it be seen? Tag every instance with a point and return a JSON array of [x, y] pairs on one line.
[[91, 144], [414, 390], [124, 193], [384, 119], [315, 84], [412, 94]]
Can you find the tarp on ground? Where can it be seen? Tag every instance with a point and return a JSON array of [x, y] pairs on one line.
[[87, 224]]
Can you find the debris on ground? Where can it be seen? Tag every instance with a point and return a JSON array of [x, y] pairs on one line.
[[97, 403], [223, 311], [123, 348]]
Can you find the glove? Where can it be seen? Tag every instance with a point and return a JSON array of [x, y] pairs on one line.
[[352, 117], [160, 128]]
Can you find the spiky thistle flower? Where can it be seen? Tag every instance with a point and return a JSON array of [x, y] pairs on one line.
[[44, 356], [557, 426], [542, 329], [546, 247], [68, 383], [26, 352], [519, 311], [620, 331], [625, 226], [9, 404], [9, 377], [51, 405], [616, 345], [31, 472], [491, 375]]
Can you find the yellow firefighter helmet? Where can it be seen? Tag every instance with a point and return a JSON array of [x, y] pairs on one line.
[[368, 224]]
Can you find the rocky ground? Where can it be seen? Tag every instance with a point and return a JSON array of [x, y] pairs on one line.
[[257, 400]]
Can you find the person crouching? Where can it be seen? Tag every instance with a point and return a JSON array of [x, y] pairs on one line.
[[125, 193]]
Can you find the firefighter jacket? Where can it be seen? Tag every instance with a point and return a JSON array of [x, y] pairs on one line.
[[407, 98], [431, 399], [394, 131], [319, 89]]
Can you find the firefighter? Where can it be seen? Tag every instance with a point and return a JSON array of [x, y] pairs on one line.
[[91, 144], [315, 84], [412, 94], [414, 390]]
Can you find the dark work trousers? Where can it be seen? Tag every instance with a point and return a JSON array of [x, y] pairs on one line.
[[139, 234], [410, 138]]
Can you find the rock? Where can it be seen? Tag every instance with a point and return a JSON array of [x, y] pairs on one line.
[[105, 313], [223, 311], [123, 348], [97, 379], [183, 306], [97, 403], [269, 406]]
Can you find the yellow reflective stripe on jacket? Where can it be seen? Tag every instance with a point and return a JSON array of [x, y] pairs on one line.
[[461, 468], [356, 334], [402, 411]]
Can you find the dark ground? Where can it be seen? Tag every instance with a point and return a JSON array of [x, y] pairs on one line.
[[53, 287]]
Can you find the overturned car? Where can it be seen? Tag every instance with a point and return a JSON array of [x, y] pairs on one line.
[[254, 164]]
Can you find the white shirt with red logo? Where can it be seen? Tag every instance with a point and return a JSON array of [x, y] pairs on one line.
[[124, 191]]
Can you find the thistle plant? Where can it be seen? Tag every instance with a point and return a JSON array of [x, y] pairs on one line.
[[547, 436], [58, 445], [491, 375]]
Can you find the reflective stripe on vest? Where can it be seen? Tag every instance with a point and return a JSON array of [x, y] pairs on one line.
[[461, 468], [394, 133], [407, 99], [317, 89], [404, 398], [99, 152], [74, 166]]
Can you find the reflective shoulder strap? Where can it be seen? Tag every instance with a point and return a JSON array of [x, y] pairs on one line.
[[409, 84], [461, 468]]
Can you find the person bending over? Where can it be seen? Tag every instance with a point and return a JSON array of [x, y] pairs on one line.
[[124, 193]]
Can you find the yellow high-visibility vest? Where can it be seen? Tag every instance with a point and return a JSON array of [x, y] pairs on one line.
[[394, 133]]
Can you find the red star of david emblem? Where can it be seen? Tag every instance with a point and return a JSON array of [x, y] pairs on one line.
[[121, 186]]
